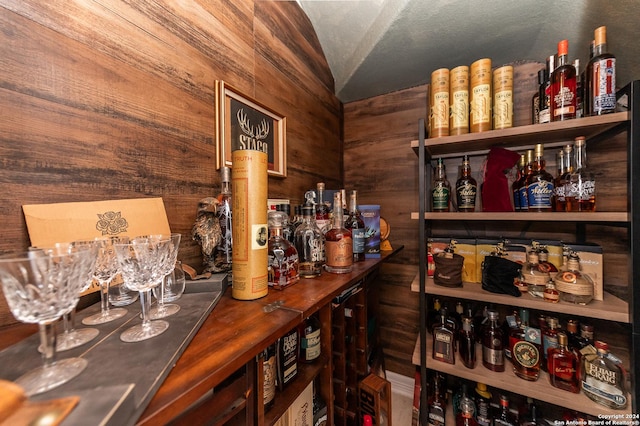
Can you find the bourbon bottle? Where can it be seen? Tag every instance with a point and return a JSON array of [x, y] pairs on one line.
[[467, 343], [581, 195], [504, 418], [514, 186], [338, 242], [539, 184], [466, 188], [603, 380], [493, 344], [355, 224], [522, 182], [601, 76], [562, 365], [563, 86], [562, 183], [283, 263], [309, 243], [525, 355], [223, 211], [322, 209], [441, 191], [444, 338]]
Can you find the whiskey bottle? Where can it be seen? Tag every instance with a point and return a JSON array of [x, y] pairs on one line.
[[579, 89], [514, 186], [441, 190], [549, 339], [535, 100], [563, 86], [533, 417], [482, 398], [573, 285], [563, 181], [545, 92], [504, 418], [283, 262], [224, 250], [465, 415], [322, 209], [288, 229], [467, 343], [551, 295], [338, 242], [533, 276], [355, 224], [287, 358], [603, 380], [525, 355], [601, 75], [493, 344], [319, 406], [539, 184], [576, 341], [466, 188], [558, 191], [543, 261], [444, 340], [562, 365], [581, 195], [309, 243], [310, 348], [522, 182], [437, 404], [269, 372]]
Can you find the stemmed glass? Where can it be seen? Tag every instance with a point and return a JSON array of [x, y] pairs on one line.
[[141, 265], [105, 271], [40, 286], [162, 309]]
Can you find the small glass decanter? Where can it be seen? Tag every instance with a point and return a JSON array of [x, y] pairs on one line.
[[573, 285], [531, 274]]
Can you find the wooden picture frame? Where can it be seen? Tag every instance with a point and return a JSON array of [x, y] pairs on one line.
[[244, 123]]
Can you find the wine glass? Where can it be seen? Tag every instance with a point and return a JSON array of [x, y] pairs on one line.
[[40, 286], [106, 269], [120, 294], [141, 263], [162, 309]]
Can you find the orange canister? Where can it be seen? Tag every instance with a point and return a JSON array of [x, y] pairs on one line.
[[459, 100], [439, 103], [480, 96], [503, 97]]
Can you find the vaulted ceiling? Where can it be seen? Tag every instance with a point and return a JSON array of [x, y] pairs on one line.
[[380, 46]]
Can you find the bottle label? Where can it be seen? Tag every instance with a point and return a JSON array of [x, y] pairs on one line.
[[493, 356], [602, 383], [539, 194], [436, 416], [224, 217], [467, 195], [310, 345], [503, 109], [443, 346], [604, 86], [339, 253], [544, 116], [525, 354], [564, 98], [522, 198], [460, 110], [549, 341], [358, 240], [481, 104], [269, 368], [440, 196], [440, 111]]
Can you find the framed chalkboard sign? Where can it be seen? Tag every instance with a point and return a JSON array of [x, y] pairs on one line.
[[243, 123]]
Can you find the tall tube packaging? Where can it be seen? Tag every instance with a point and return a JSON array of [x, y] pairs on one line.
[[249, 228]]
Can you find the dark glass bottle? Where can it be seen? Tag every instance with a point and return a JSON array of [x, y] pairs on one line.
[[545, 92], [444, 338], [465, 415], [288, 229], [270, 373], [561, 188], [224, 249], [525, 355], [522, 182], [482, 398], [562, 365], [533, 417], [466, 188], [338, 242], [504, 417], [582, 182], [310, 347], [539, 184], [322, 209], [319, 406], [493, 344], [355, 224], [441, 190], [467, 343], [437, 404], [514, 186], [535, 100], [563, 86], [601, 72]]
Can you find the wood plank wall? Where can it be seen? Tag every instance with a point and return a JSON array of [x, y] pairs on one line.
[[115, 99]]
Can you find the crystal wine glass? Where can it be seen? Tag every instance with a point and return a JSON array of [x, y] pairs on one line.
[[40, 286], [141, 265], [106, 269], [162, 309]]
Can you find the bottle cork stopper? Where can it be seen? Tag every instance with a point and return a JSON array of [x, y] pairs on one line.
[[600, 35], [563, 47]]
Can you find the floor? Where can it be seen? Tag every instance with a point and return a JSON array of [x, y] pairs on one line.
[[401, 409]]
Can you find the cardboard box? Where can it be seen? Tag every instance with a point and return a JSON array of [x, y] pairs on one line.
[[466, 247], [300, 413], [374, 395], [371, 217]]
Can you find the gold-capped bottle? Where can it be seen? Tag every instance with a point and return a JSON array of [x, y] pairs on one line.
[[581, 194], [601, 76], [338, 242], [539, 184], [441, 189], [466, 188]]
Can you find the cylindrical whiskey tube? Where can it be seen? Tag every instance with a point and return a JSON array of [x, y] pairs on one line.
[[249, 226], [480, 102], [459, 100], [439, 116], [503, 97]]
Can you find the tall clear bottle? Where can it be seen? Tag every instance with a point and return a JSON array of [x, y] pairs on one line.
[[581, 195], [441, 189], [338, 242], [309, 243], [224, 249], [601, 76], [562, 186], [539, 184], [355, 224], [322, 209], [466, 188], [563, 86], [603, 380], [283, 261]]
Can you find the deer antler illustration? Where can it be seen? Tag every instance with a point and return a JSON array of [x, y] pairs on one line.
[[261, 132], [244, 123]]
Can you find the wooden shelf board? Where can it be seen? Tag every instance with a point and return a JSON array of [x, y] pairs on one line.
[[611, 308], [555, 134], [541, 389], [590, 217]]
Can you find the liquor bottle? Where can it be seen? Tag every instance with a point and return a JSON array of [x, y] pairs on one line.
[[539, 184], [516, 329], [466, 410], [586, 332], [533, 417], [562, 365], [532, 275], [525, 355], [601, 74], [283, 261], [543, 261], [288, 229], [549, 339], [582, 183], [309, 332], [602, 379], [563, 181], [433, 314], [493, 344], [356, 225], [441, 191], [573, 285], [338, 242], [322, 209], [287, 358], [297, 216], [482, 398], [504, 418], [466, 188], [522, 182], [467, 343], [576, 341], [545, 94], [558, 190], [437, 404], [309, 243], [535, 99], [551, 295], [224, 249], [444, 339], [269, 372], [319, 406], [563, 86], [514, 186], [586, 83], [579, 89]]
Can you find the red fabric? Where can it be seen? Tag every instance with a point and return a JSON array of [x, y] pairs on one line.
[[495, 188]]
